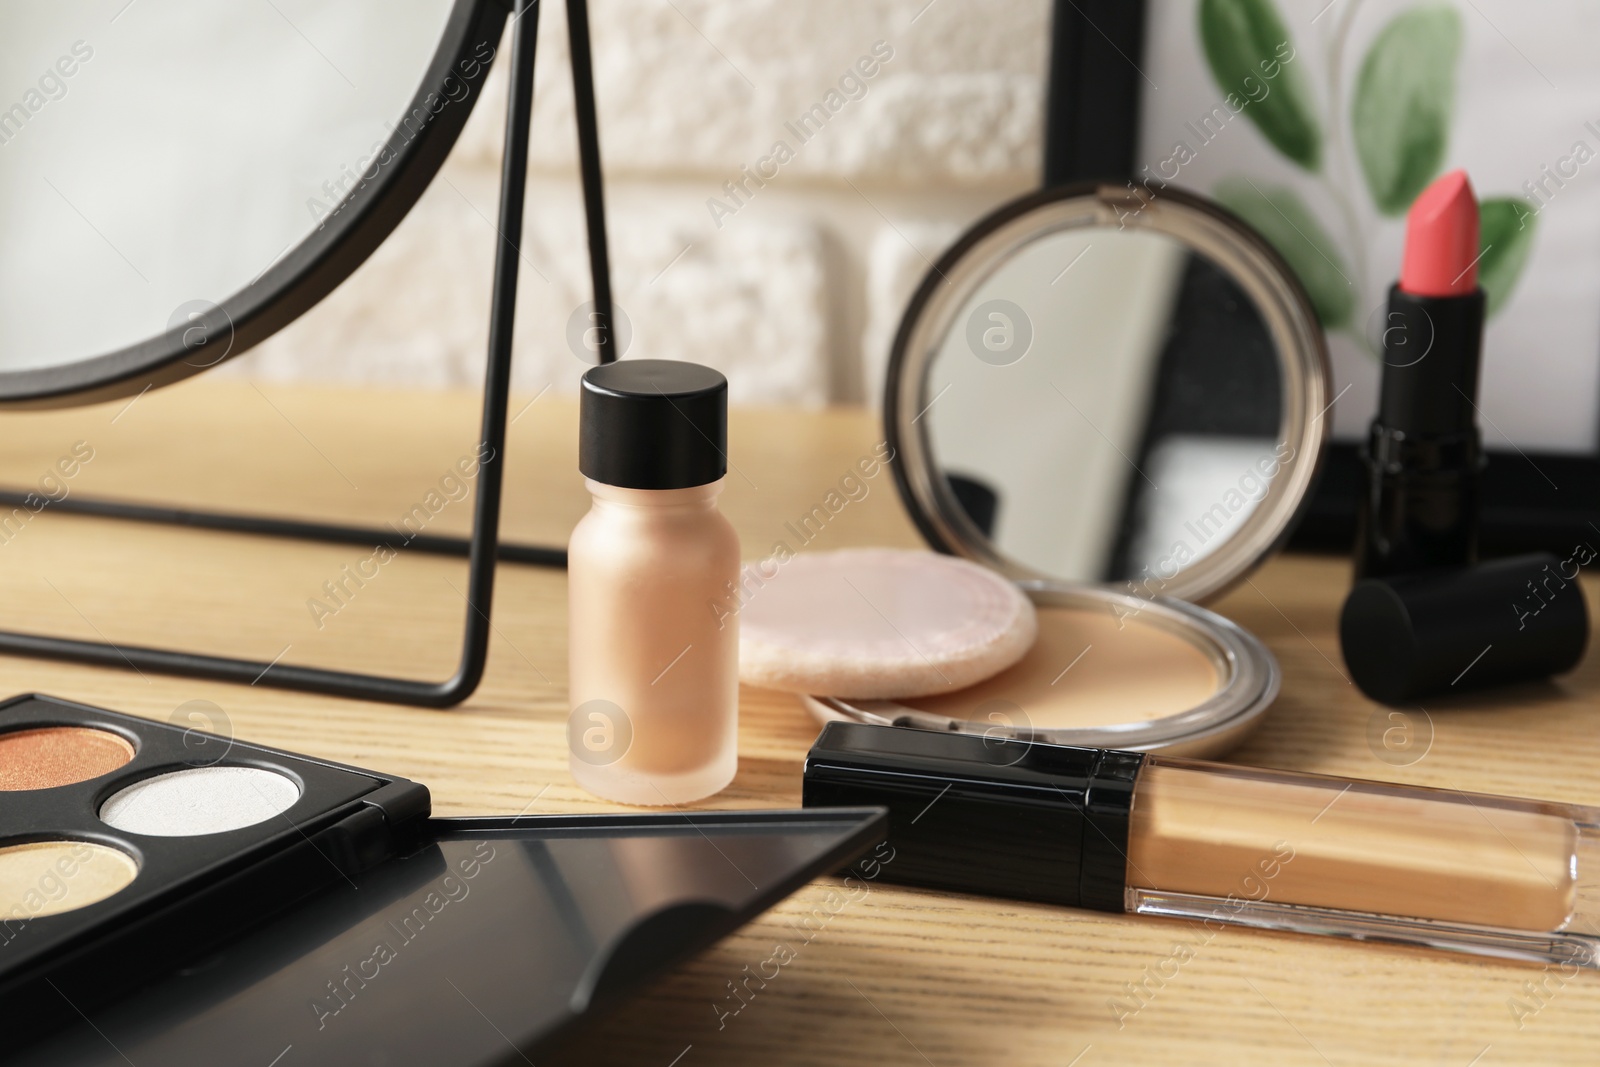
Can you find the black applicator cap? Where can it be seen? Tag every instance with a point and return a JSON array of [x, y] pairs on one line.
[[986, 814], [1416, 635], [653, 424]]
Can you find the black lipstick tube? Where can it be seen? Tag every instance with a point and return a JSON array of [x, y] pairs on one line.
[[1424, 454]]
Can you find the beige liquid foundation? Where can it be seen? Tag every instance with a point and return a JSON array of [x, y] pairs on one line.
[[1280, 850], [653, 672]]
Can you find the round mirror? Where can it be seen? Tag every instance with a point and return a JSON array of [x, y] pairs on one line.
[[1105, 385], [180, 179]]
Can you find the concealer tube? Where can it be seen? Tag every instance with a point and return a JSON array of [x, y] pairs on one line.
[[1222, 844]]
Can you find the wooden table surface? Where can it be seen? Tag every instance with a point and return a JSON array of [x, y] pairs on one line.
[[899, 976]]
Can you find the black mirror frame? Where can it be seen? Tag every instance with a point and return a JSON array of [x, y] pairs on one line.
[[312, 269], [307, 274]]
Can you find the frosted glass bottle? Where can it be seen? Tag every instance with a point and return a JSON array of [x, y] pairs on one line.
[[654, 665]]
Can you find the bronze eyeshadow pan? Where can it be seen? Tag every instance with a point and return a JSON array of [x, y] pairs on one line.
[[52, 756]]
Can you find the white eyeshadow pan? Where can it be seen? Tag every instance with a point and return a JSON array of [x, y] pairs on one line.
[[200, 800]]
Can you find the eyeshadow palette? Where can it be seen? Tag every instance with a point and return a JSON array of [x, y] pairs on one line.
[[106, 819], [190, 893]]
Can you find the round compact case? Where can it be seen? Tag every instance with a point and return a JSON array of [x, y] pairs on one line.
[[1114, 400]]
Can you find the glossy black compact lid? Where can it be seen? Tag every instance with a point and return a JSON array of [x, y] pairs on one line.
[[653, 424], [529, 922], [987, 815]]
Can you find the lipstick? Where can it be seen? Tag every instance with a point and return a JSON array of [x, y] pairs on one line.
[[1441, 254], [1424, 452], [1162, 836]]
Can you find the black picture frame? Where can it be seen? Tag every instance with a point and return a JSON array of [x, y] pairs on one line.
[[1532, 501]]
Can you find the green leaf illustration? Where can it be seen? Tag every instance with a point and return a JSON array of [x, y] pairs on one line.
[[1252, 59], [1400, 114], [1505, 235], [1290, 227]]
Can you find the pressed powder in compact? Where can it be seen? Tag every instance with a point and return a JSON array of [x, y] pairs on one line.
[[1090, 668], [51, 877], [200, 800], [58, 755], [1108, 669]]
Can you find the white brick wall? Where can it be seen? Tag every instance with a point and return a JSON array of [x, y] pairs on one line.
[[797, 293]]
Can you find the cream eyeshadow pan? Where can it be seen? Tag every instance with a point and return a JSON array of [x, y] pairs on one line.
[[42, 878], [1089, 668]]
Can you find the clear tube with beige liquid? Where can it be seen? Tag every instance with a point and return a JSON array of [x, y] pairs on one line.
[[1284, 851], [1224, 844]]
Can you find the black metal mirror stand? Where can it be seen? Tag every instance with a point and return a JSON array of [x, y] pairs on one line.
[[483, 547]]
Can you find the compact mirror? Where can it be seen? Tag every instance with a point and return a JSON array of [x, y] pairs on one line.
[[179, 179], [1100, 384], [1114, 396]]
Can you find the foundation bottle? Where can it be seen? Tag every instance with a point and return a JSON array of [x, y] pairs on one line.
[[654, 667]]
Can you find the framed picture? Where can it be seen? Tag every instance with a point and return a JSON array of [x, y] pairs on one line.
[[1319, 122]]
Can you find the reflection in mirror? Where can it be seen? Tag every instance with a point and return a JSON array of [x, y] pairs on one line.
[[157, 157], [1106, 404]]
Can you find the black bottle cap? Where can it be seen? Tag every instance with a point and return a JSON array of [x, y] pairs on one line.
[[990, 815], [1408, 636], [653, 424]]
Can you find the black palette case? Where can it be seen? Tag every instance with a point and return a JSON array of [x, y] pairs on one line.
[[354, 928]]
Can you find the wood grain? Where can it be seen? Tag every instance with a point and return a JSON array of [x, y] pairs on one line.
[[900, 976]]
